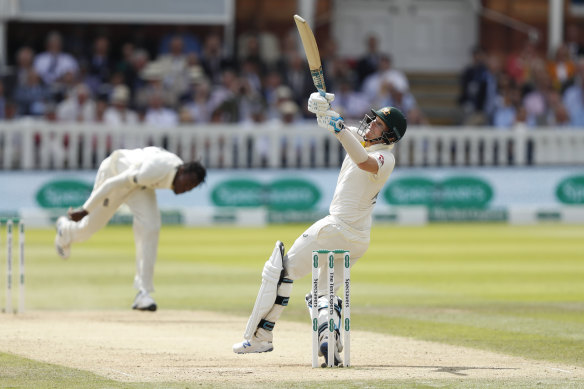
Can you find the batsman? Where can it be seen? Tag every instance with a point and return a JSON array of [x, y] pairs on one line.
[[365, 169]]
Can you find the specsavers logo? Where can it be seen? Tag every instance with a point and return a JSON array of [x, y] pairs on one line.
[[285, 194], [571, 190], [455, 192], [63, 194]]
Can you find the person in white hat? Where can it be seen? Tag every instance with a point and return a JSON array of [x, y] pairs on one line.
[[118, 113]]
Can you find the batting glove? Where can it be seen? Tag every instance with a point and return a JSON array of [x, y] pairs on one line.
[[330, 120], [319, 104]]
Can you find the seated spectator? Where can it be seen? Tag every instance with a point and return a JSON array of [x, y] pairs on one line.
[[338, 70], [30, 97], [333, 65], [49, 149], [252, 54], [289, 115], [561, 69], [118, 112], [574, 97], [98, 65], [174, 67], [153, 77], [574, 42], [473, 89], [225, 98], [52, 64], [133, 68], [20, 75], [274, 94], [157, 114], [557, 114], [198, 108], [535, 101], [264, 44], [213, 60], [50, 114], [520, 120], [78, 107], [506, 107], [250, 101], [385, 73], [495, 76], [351, 104], [289, 112], [397, 94], [126, 58], [519, 66], [294, 73], [101, 106], [190, 41], [251, 73], [369, 62], [62, 88]]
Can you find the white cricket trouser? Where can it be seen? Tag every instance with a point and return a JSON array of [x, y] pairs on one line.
[[326, 234], [146, 224]]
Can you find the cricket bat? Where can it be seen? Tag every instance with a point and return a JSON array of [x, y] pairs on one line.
[[312, 55]]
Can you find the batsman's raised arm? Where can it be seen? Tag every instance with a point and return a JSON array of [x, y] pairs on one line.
[[387, 126]]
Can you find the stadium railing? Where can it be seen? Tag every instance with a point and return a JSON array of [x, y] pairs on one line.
[[31, 145]]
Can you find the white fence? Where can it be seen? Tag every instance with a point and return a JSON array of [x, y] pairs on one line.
[[41, 145]]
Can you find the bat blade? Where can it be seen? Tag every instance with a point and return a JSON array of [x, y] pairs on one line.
[[312, 54]]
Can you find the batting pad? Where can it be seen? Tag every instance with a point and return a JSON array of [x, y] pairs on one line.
[[267, 293]]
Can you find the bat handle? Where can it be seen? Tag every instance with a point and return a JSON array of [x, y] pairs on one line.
[[322, 93]]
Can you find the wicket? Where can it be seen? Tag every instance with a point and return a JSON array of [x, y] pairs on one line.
[[9, 268], [346, 322]]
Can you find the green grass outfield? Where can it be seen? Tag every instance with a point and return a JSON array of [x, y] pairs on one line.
[[517, 290]]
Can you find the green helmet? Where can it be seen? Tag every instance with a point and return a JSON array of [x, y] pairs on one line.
[[395, 121]]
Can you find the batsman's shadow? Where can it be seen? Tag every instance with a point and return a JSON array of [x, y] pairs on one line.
[[454, 370]]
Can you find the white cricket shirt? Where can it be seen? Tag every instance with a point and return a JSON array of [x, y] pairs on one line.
[[357, 190], [150, 167]]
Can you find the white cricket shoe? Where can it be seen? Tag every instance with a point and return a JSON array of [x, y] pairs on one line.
[[62, 245], [143, 302], [255, 346]]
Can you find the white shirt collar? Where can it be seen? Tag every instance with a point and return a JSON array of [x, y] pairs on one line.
[[379, 146]]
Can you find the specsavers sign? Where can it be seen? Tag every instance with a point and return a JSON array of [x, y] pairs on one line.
[[63, 194], [452, 192], [571, 190], [283, 194], [307, 190]]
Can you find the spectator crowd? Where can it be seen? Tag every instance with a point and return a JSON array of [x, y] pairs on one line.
[[524, 89], [193, 81]]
